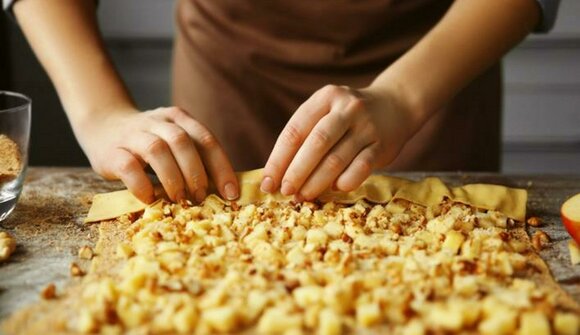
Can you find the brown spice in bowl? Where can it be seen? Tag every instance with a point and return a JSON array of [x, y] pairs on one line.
[[10, 159]]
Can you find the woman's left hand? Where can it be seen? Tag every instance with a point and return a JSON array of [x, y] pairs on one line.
[[336, 139]]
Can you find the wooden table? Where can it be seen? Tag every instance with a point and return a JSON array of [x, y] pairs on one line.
[[48, 226]]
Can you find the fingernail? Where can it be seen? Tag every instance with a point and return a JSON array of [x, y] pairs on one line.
[[199, 195], [181, 196], [299, 197], [231, 191], [287, 188], [150, 199], [267, 185]]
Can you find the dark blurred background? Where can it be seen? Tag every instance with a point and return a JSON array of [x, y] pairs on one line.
[[541, 125]]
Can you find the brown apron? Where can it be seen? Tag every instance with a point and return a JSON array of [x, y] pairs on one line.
[[242, 67]]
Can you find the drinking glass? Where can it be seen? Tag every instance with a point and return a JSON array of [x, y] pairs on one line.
[[14, 137]]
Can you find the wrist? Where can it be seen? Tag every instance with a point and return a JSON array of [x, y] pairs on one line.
[[91, 117], [92, 124], [403, 97], [94, 127]]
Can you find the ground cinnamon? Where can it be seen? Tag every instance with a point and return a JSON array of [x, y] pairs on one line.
[[10, 159]]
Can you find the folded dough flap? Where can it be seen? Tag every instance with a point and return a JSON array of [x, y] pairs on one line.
[[376, 189], [107, 206]]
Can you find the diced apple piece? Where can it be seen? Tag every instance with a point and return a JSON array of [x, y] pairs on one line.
[[566, 324], [388, 246], [311, 316], [86, 322], [298, 233], [257, 301], [471, 248], [465, 285], [222, 319], [368, 314], [453, 315], [449, 319], [153, 213], [258, 234], [316, 236], [131, 314], [453, 241], [124, 250], [214, 297], [277, 321], [294, 331], [498, 319], [414, 327], [534, 323], [201, 227], [307, 295], [185, 319], [499, 324], [329, 323], [441, 225], [338, 297], [296, 256], [334, 229]]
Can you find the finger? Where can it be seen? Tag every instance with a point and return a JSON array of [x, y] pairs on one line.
[[333, 164], [293, 135], [186, 156], [153, 150], [321, 139], [213, 155], [359, 169], [126, 167]]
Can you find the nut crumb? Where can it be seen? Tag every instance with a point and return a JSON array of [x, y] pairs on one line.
[[540, 240], [534, 221], [85, 252], [75, 270], [574, 252], [49, 292], [7, 246], [345, 238]]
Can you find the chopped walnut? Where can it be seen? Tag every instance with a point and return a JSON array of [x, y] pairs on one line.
[[48, 292], [540, 240], [534, 221], [7, 246], [75, 270]]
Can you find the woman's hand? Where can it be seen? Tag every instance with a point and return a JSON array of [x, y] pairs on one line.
[[336, 138], [339, 135], [181, 151], [119, 140]]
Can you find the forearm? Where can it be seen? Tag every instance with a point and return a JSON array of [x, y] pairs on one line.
[[66, 40], [471, 37]]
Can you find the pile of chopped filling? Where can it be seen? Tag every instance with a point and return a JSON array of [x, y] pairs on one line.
[[294, 268]]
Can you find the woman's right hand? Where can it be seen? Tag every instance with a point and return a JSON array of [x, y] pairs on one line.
[[182, 152]]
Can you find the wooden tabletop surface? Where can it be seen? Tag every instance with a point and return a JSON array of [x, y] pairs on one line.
[[48, 226]]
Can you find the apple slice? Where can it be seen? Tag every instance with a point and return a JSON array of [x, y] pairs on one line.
[[574, 252], [570, 213]]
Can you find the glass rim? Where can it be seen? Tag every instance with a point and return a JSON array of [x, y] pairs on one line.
[[27, 101]]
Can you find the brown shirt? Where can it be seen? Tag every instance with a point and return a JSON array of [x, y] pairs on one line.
[[243, 67]]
